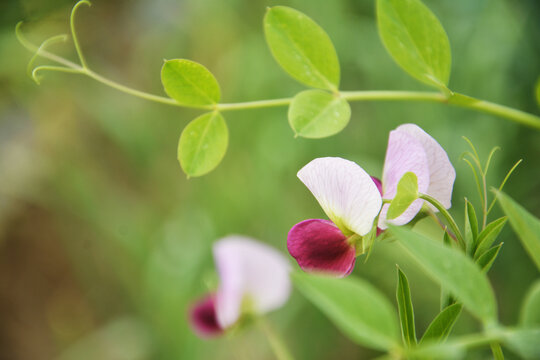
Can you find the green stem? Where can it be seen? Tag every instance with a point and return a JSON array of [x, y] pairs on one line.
[[496, 351], [447, 216], [131, 91], [381, 95], [384, 95], [276, 342], [515, 115]]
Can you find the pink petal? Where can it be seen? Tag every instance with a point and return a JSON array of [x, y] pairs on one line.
[[203, 320], [345, 191], [249, 270], [441, 171], [404, 153], [319, 246]]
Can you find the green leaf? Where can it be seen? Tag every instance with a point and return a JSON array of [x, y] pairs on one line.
[[442, 325], [355, 306], [526, 226], [471, 225], [406, 311], [431, 350], [524, 342], [454, 271], [416, 40], [189, 83], [530, 310], [489, 235], [203, 144], [302, 48], [317, 114], [407, 192], [486, 259]]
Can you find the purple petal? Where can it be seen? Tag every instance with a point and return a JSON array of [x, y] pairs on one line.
[[378, 183], [319, 246], [203, 320]]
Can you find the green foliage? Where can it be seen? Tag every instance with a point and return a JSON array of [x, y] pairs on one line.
[[452, 270], [471, 225], [437, 351], [530, 310], [407, 192], [189, 83], [538, 91], [318, 114], [526, 226], [406, 310], [488, 257], [524, 342], [355, 306], [416, 40], [302, 48], [441, 326], [489, 235], [203, 144]]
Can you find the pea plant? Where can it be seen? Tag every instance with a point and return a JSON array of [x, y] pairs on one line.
[[411, 33], [362, 210]]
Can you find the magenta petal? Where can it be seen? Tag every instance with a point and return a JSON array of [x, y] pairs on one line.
[[378, 183], [319, 246], [203, 320]]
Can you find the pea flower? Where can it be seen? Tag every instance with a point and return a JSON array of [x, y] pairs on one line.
[[352, 199], [411, 149], [254, 278]]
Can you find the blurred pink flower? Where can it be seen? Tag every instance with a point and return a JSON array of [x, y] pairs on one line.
[[352, 199], [254, 277]]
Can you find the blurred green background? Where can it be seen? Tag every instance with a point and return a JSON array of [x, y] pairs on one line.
[[104, 242]]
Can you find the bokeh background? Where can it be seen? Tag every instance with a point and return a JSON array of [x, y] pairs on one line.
[[104, 243]]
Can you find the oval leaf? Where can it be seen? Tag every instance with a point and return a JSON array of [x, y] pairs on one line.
[[406, 311], [406, 193], [454, 271], [355, 306], [302, 48], [416, 40], [442, 325], [203, 144], [530, 310], [317, 114], [525, 225], [189, 83]]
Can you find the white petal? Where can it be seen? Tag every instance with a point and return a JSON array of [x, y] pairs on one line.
[[345, 191], [404, 154], [249, 271], [441, 171]]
